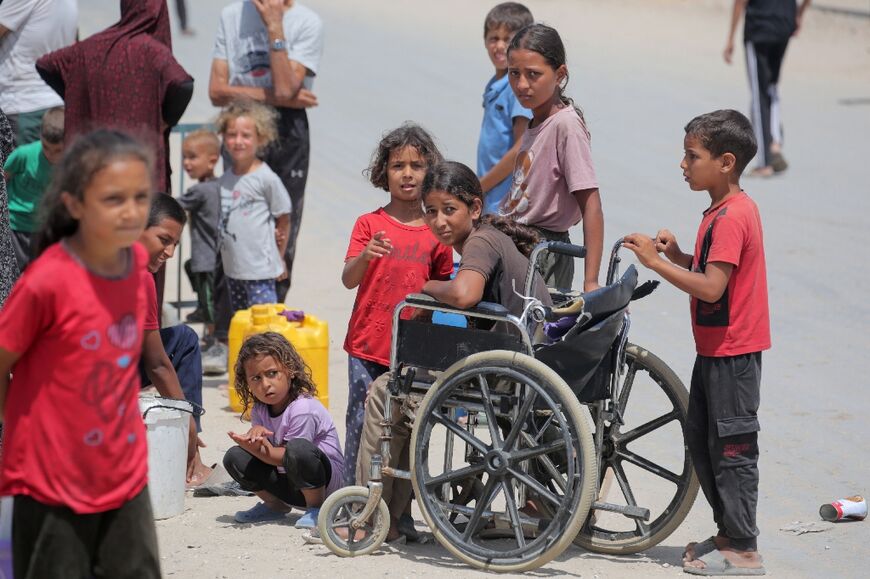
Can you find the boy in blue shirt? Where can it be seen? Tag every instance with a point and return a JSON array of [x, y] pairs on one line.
[[504, 119]]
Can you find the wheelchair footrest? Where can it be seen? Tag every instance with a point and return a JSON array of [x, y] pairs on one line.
[[629, 511]]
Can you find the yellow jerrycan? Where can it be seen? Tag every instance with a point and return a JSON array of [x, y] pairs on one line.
[[310, 337]]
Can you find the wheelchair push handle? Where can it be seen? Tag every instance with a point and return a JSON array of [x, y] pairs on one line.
[[566, 249], [560, 247]]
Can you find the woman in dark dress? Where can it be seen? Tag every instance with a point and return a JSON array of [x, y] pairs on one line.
[[124, 77]]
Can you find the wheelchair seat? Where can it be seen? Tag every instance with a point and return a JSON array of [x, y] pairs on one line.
[[485, 308]]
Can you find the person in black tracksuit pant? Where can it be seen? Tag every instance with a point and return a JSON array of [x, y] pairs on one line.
[[768, 26]]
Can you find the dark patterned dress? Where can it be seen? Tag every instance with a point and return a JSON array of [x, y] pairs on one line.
[[8, 265], [126, 78]]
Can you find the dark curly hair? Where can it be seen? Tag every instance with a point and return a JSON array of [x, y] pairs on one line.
[[461, 182], [408, 135], [274, 345]]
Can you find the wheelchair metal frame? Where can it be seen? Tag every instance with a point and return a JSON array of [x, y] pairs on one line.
[[534, 313]]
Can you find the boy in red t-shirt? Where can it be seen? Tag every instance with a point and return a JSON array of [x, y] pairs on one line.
[[727, 282], [391, 254]]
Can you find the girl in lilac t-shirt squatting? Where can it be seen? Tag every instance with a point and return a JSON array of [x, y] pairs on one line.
[[291, 456]]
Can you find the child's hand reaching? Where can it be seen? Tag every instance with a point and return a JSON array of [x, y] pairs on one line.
[[378, 246], [643, 246]]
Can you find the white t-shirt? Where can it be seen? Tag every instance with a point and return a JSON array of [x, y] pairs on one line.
[[36, 27], [249, 206], [242, 40]]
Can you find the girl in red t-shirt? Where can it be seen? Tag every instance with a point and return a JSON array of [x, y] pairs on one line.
[[391, 254], [75, 457]]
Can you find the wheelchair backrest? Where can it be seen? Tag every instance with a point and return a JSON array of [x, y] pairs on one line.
[[605, 301], [437, 347], [584, 348]]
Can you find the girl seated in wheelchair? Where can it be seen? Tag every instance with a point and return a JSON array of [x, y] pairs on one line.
[[494, 249], [291, 456]]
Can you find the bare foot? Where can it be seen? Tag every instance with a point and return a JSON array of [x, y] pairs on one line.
[[200, 473], [739, 559]]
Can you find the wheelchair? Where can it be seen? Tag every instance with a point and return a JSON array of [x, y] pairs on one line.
[[575, 439]]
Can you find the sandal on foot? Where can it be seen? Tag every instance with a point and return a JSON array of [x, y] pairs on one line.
[[259, 513], [309, 519], [406, 527], [778, 162], [716, 565], [700, 549]]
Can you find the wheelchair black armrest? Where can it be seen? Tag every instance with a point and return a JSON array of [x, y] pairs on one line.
[[487, 308]]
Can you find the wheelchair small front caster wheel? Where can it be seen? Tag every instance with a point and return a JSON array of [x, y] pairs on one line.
[[336, 523]]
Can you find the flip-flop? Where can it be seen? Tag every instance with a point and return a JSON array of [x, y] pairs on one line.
[[716, 565], [708, 545]]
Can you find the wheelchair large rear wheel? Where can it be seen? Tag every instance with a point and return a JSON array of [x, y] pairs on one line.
[[532, 420], [645, 461]]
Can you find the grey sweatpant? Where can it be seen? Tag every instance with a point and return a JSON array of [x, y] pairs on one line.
[[722, 436], [397, 492]]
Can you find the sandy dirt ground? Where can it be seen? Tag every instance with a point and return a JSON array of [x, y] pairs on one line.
[[640, 69]]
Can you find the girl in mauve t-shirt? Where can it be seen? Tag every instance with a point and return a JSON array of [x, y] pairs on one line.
[[291, 455], [75, 457], [391, 254], [554, 184]]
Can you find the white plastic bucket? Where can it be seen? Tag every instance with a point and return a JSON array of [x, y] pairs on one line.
[[167, 422]]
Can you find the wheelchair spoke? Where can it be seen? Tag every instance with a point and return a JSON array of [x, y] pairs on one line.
[[536, 486], [455, 475], [520, 421], [649, 466], [490, 413], [514, 514], [486, 497], [648, 427], [527, 453], [626, 387], [548, 466], [466, 436], [619, 473], [544, 427]]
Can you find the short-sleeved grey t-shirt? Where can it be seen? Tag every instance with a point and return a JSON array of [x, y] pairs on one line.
[[249, 205], [242, 40], [494, 255], [203, 201]]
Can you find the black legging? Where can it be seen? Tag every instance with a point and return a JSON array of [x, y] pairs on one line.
[[305, 465]]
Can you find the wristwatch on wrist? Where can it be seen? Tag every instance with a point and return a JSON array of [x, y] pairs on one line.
[[279, 44]]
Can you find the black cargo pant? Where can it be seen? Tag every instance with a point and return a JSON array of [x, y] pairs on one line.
[[722, 436], [305, 466], [54, 542]]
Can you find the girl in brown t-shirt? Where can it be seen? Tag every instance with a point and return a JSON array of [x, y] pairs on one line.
[[494, 250]]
